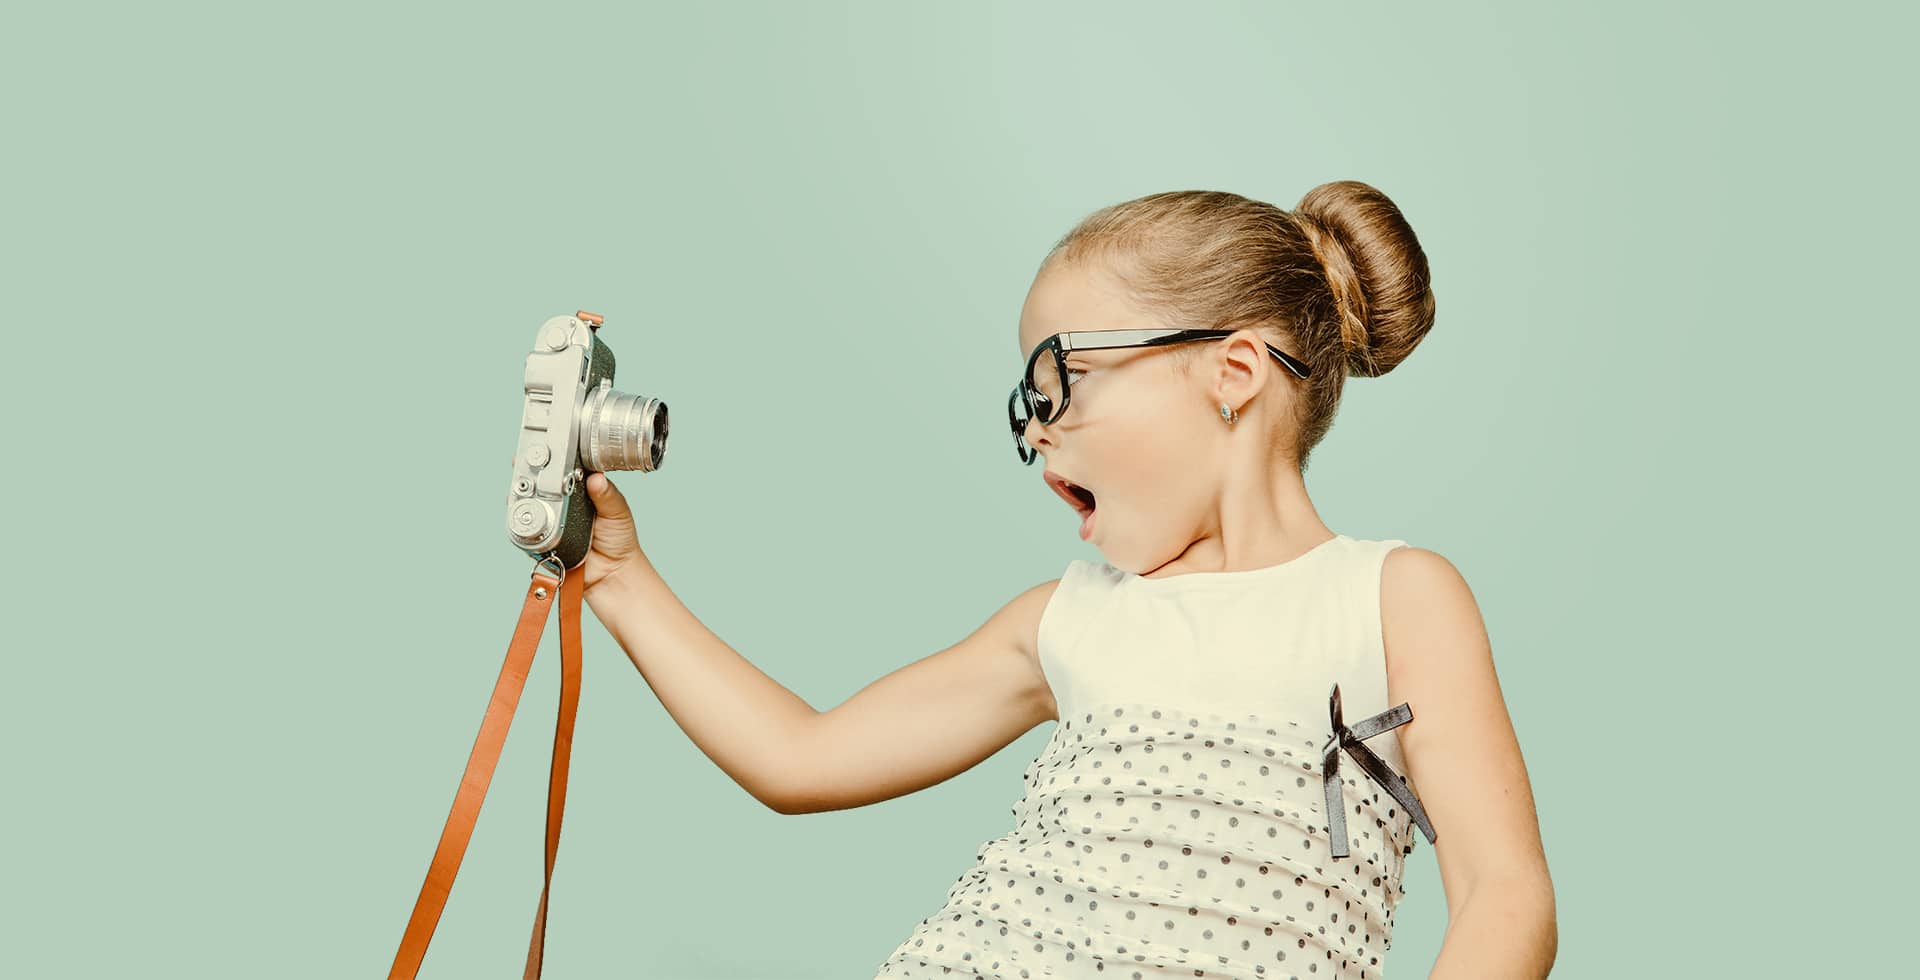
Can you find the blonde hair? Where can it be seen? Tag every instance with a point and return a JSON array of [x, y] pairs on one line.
[[1340, 281]]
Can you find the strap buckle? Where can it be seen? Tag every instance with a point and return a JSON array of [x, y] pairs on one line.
[[550, 559]]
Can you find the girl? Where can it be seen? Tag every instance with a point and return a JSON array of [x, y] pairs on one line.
[[1233, 783]]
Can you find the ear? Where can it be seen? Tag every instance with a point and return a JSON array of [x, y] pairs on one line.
[[1242, 365]]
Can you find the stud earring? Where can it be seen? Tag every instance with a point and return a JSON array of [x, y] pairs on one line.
[[1229, 414]]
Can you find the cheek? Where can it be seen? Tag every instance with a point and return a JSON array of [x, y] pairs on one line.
[[1158, 453]]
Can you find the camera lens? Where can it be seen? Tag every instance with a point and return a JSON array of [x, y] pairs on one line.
[[623, 432]]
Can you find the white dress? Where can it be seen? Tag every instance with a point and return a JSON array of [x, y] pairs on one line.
[[1174, 824]]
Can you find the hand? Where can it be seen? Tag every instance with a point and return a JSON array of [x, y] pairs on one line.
[[615, 545]]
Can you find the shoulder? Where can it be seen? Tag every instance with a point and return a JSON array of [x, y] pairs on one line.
[[1026, 611], [1019, 621], [1429, 619], [1409, 571]]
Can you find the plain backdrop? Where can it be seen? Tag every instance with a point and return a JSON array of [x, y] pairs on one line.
[[271, 274]]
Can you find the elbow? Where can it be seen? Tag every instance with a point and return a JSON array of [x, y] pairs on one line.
[[1550, 930], [1524, 901], [784, 798], [777, 779], [1531, 890], [793, 804], [1529, 904], [1549, 920], [777, 801], [785, 806]]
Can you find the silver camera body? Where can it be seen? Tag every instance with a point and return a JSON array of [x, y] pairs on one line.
[[573, 423]]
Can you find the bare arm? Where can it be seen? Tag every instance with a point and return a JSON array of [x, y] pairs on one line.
[[912, 728], [1462, 753], [928, 721], [741, 718]]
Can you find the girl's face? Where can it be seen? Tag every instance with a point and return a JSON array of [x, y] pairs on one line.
[[1137, 433]]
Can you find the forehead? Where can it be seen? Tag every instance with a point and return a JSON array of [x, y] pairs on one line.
[[1074, 296]]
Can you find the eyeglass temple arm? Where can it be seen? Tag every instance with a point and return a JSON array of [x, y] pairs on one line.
[[1164, 336]]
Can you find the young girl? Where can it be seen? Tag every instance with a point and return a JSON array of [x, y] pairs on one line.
[[1218, 797]]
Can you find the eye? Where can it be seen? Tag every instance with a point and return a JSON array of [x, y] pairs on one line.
[[1070, 375]]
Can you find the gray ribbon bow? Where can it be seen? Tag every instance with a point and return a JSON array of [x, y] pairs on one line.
[[1350, 739]]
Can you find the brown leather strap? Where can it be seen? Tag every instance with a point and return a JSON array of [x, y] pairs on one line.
[[486, 755], [570, 594]]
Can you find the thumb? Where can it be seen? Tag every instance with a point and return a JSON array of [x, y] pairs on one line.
[[605, 495]]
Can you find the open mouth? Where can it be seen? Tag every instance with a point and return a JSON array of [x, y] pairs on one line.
[[1083, 498], [1078, 497]]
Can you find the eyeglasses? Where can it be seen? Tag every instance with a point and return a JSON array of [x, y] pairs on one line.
[[1045, 395]]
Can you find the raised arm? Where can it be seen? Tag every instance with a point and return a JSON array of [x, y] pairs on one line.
[[912, 728], [928, 721]]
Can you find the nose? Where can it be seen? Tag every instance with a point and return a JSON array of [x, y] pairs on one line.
[[1037, 436]]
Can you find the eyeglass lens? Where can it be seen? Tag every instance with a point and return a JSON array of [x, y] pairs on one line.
[[1042, 390], [1047, 378]]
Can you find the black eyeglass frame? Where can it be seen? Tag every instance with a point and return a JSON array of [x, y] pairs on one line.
[[1062, 344]]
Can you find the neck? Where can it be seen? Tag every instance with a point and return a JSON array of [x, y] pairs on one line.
[[1261, 517]]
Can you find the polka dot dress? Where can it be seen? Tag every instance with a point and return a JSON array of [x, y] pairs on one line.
[[1156, 839], [1156, 843]]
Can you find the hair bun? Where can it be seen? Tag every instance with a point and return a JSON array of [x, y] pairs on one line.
[[1376, 272]]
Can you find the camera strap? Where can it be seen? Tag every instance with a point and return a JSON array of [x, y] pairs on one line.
[[486, 754]]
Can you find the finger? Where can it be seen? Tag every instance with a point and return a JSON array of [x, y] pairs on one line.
[[606, 497]]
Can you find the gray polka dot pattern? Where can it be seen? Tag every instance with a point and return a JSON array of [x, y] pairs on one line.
[[1153, 842]]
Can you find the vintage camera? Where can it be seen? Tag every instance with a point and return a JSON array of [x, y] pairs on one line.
[[574, 423]]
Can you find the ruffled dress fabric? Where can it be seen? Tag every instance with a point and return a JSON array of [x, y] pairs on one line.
[[1179, 834]]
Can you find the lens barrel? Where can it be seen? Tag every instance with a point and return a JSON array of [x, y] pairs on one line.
[[623, 432]]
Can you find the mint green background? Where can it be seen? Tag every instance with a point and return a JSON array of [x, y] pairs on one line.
[[271, 277]]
